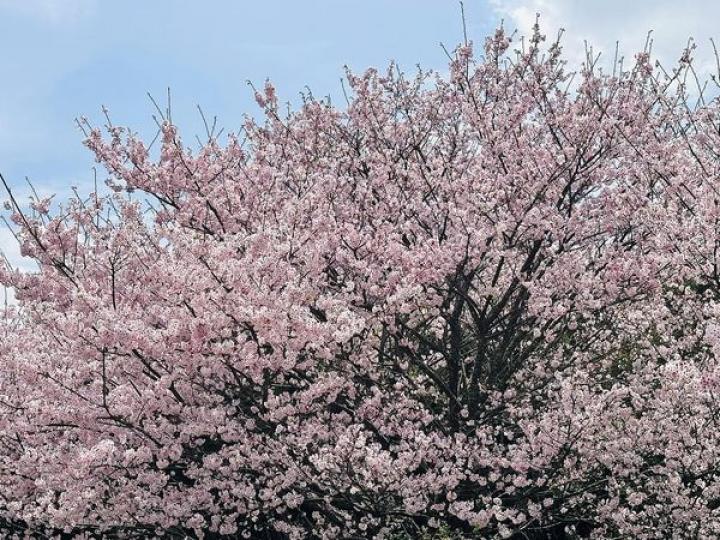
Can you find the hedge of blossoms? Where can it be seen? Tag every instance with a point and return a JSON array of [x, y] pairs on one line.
[[486, 304]]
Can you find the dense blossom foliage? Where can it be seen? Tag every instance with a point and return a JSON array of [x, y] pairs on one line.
[[485, 303]]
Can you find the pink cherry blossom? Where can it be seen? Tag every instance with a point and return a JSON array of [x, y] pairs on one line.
[[484, 303]]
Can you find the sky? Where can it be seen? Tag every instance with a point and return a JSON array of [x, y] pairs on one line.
[[63, 59]]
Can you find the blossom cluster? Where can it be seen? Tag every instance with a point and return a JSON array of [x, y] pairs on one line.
[[486, 302]]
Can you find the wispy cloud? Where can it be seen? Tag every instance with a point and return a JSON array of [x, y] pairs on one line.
[[602, 23], [54, 12], [11, 251]]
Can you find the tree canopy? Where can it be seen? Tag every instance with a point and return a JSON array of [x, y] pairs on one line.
[[481, 303]]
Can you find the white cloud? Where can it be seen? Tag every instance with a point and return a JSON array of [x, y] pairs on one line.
[[604, 22], [11, 251], [55, 12]]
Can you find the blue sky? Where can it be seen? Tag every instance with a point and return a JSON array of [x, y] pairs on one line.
[[66, 58]]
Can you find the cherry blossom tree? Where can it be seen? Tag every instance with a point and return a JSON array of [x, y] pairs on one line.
[[482, 304]]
